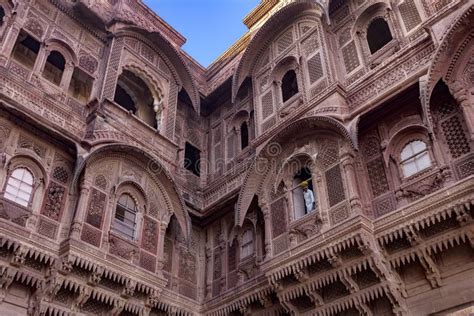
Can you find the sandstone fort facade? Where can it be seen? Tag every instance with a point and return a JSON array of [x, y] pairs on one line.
[[323, 165]]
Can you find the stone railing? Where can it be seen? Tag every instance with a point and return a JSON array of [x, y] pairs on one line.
[[30, 96], [14, 212]]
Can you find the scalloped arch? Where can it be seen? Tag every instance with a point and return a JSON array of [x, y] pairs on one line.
[[173, 59], [154, 169]]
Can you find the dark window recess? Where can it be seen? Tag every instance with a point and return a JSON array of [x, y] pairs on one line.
[[54, 67], [289, 85], [192, 157], [80, 87], [244, 135], [2, 15], [26, 50], [378, 34], [124, 99]]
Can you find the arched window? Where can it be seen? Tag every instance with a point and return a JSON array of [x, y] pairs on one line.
[[247, 248], [54, 67], [133, 94], [304, 200], [414, 158], [289, 85], [19, 186], [378, 34], [125, 220], [244, 135]]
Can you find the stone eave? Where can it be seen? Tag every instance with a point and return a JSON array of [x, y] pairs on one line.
[[259, 12], [425, 211], [349, 233]]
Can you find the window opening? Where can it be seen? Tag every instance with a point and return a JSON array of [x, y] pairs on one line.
[[289, 85], [378, 34], [26, 50], [192, 157]]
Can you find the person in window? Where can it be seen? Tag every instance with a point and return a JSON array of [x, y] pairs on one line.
[[308, 196]]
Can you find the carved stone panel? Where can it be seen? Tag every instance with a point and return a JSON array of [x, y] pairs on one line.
[[150, 235], [54, 201], [96, 208], [278, 217]]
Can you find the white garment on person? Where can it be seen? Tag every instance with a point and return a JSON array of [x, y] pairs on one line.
[[308, 200]]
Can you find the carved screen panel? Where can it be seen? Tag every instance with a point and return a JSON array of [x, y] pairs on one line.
[[409, 12], [378, 179], [335, 186], [315, 68], [278, 217], [455, 137], [350, 57], [267, 105], [285, 41]]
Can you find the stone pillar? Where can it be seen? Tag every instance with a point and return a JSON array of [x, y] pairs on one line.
[[81, 210], [268, 230], [161, 248], [461, 94], [347, 161], [67, 75], [9, 43], [278, 95]]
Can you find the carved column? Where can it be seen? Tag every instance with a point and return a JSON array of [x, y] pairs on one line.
[[461, 95], [81, 210], [347, 161], [67, 75], [9, 43], [161, 247], [268, 230]]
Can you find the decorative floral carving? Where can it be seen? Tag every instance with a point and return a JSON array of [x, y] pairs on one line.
[[96, 208], [150, 235], [35, 27], [88, 63], [54, 201]]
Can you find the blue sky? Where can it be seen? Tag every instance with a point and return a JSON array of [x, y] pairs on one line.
[[210, 26]]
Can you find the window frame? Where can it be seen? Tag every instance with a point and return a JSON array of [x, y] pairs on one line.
[[245, 244], [390, 29], [32, 186], [135, 228], [413, 157]]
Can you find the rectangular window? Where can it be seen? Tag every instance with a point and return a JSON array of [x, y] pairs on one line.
[[81, 85], [26, 50], [192, 157]]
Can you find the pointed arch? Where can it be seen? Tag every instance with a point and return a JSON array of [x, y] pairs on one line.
[[262, 163], [457, 37], [171, 56], [276, 23]]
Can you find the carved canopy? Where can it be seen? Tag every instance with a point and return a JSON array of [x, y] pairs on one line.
[[265, 34]]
